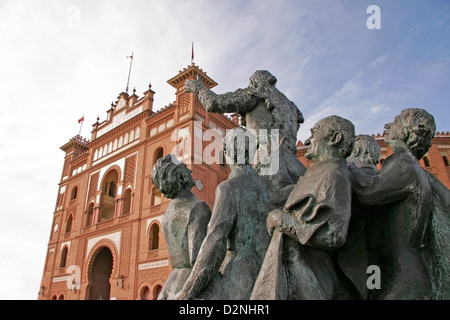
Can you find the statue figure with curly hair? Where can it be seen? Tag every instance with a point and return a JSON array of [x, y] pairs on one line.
[[403, 197], [184, 222]]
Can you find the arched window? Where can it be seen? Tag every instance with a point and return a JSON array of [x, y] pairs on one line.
[[426, 161], [74, 193], [90, 215], [109, 193], [69, 224], [159, 153], [127, 202], [145, 293], [53, 297], [61, 297], [445, 158], [156, 291], [156, 196], [63, 257], [153, 241]]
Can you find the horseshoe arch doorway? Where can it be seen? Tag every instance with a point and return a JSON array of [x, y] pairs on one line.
[[99, 275]]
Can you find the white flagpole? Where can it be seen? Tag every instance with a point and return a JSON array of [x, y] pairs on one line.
[[129, 71]]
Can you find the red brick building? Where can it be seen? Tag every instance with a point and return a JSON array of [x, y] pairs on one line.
[[106, 238]]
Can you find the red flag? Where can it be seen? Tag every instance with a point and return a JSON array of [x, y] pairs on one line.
[[81, 119]]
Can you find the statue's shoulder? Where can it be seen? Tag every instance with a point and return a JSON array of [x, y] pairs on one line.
[[328, 167], [229, 185], [200, 204]]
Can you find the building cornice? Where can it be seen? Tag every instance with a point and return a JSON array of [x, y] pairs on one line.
[[120, 129]]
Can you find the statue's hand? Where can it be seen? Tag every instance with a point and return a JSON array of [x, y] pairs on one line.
[[192, 85], [273, 220]]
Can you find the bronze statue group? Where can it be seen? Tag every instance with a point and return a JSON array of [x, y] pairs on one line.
[[308, 234]]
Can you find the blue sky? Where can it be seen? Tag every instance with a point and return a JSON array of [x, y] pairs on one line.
[[63, 59]]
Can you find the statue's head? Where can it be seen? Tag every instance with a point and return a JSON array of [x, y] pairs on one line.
[[413, 128], [262, 78], [365, 150], [239, 146], [331, 137], [171, 178]]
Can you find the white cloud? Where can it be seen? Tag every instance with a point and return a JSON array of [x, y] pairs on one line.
[[380, 61]]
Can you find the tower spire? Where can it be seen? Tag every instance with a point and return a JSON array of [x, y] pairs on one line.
[[129, 71], [192, 53]]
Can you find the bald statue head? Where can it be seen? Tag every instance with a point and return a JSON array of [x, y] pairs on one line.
[[331, 138]]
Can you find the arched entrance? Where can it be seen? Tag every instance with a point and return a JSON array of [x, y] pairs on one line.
[[100, 273]]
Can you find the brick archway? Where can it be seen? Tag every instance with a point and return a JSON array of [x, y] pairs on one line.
[[100, 271]]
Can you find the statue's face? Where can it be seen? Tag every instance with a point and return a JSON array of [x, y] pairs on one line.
[[365, 152], [318, 141], [393, 130]]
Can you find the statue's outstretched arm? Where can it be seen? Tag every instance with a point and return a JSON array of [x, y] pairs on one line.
[[240, 101], [393, 183]]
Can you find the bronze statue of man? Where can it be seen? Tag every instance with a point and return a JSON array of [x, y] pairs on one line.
[[233, 249], [402, 195], [184, 222], [313, 223], [273, 116], [354, 258]]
